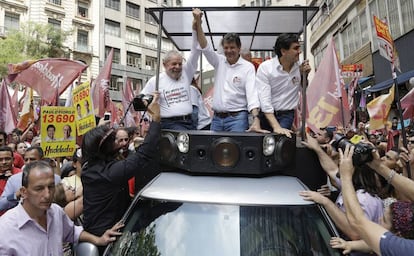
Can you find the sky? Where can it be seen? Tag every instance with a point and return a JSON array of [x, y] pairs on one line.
[[190, 3]]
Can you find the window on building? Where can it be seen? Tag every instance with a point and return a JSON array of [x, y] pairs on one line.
[[11, 21], [82, 40], [56, 24], [268, 2], [83, 9], [393, 19], [346, 40], [407, 13], [134, 59], [166, 45], [132, 35], [112, 28], [150, 63], [117, 54], [57, 2], [113, 4], [116, 83], [132, 10], [150, 19], [364, 28], [136, 84], [151, 40]]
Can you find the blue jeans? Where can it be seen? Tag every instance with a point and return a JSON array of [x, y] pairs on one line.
[[285, 119], [238, 123]]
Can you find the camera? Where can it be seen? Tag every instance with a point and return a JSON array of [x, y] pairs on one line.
[[107, 116], [362, 151], [139, 104]]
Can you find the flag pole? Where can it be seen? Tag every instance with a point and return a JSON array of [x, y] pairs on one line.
[[400, 115], [304, 82]]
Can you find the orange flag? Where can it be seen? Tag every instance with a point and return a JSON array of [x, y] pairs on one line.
[[379, 108], [27, 113]]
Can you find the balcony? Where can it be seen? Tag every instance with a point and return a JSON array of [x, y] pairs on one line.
[[83, 48]]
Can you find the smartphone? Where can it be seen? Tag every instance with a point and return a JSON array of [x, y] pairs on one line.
[[107, 116]]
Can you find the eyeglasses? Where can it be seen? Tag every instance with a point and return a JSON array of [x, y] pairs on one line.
[[410, 142], [107, 134]]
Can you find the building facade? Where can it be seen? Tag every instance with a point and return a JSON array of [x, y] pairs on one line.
[[97, 26], [351, 25]]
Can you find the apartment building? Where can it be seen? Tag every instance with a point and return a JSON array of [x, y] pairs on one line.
[[352, 27], [97, 26]]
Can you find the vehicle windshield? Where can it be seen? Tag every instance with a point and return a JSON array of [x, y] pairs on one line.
[[172, 228]]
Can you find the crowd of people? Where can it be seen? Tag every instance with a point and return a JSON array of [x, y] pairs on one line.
[[82, 198]]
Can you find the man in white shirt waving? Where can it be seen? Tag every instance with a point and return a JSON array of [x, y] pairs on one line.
[[235, 94], [174, 89]]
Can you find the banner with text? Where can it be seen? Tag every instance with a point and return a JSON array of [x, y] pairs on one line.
[[386, 43], [57, 124], [85, 118]]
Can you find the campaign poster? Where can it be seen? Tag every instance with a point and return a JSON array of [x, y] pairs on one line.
[[85, 118], [58, 137]]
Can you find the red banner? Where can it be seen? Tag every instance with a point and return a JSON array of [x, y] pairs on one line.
[[127, 98], [327, 101], [100, 88], [7, 118], [48, 77], [407, 103]]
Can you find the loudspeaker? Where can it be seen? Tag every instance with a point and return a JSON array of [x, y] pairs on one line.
[[227, 152], [307, 168]]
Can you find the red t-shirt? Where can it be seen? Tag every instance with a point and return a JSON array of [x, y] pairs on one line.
[[3, 180], [18, 160]]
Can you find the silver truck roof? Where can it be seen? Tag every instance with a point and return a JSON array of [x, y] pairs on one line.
[[274, 190]]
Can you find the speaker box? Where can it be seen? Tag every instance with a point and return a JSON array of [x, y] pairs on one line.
[[227, 152], [307, 168]]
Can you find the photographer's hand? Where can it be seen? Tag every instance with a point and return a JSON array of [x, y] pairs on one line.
[[346, 168], [154, 108]]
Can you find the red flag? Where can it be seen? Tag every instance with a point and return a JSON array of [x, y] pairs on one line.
[[325, 106], [100, 87], [407, 103], [15, 101], [48, 77], [390, 139], [8, 120], [127, 97]]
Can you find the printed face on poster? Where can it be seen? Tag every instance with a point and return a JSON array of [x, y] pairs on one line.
[[85, 118], [58, 137]]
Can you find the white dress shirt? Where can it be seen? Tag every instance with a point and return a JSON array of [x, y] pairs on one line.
[[204, 117], [278, 89], [234, 85]]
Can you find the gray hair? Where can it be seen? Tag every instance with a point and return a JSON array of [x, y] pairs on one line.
[[170, 54]]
